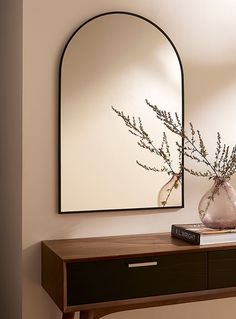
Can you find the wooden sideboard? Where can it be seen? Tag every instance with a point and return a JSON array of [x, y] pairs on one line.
[[98, 276]]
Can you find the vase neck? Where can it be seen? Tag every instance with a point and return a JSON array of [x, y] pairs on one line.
[[220, 180]]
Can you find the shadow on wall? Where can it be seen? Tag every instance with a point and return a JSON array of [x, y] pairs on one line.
[[204, 82], [32, 286]]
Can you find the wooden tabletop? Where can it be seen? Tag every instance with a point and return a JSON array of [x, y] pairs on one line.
[[114, 247]]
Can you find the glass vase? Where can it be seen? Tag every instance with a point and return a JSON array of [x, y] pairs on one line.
[[170, 193], [217, 208]]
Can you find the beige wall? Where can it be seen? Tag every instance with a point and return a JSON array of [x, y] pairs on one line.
[[10, 157], [204, 33]]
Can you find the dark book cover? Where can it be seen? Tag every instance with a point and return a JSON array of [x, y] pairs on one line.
[[185, 234]]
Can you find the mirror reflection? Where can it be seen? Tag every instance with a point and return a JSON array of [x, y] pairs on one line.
[[115, 59]]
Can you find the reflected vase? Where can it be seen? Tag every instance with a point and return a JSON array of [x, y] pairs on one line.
[[170, 193], [217, 208]]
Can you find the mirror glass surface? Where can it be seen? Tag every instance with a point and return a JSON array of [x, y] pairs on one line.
[[115, 59]]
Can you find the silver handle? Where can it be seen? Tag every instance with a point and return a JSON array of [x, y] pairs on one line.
[[146, 264]]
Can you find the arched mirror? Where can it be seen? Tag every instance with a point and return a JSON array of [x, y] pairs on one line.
[[116, 59]]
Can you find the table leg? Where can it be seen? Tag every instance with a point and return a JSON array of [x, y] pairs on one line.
[[87, 314], [70, 315]]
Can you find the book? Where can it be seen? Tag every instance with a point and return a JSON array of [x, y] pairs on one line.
[[198, 234]]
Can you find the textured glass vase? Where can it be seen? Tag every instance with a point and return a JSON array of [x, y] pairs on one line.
[[217, 208], [170, 193]]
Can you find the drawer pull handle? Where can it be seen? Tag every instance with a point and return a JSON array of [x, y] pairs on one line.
[[146, 264]]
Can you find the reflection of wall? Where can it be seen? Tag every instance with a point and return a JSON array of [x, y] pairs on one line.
[[207, 49]]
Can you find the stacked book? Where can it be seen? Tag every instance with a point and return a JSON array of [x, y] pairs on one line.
[[198, 234]]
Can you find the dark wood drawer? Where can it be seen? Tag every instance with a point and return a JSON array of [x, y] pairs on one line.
[[222, 268], [107, 280]]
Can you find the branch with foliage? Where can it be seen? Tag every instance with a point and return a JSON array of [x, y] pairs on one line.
[[136, 128], [193, 147]]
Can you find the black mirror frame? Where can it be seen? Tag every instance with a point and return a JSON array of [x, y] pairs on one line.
[[59, 115]]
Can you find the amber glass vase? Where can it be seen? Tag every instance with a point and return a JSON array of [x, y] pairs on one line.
[[217, 208]]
